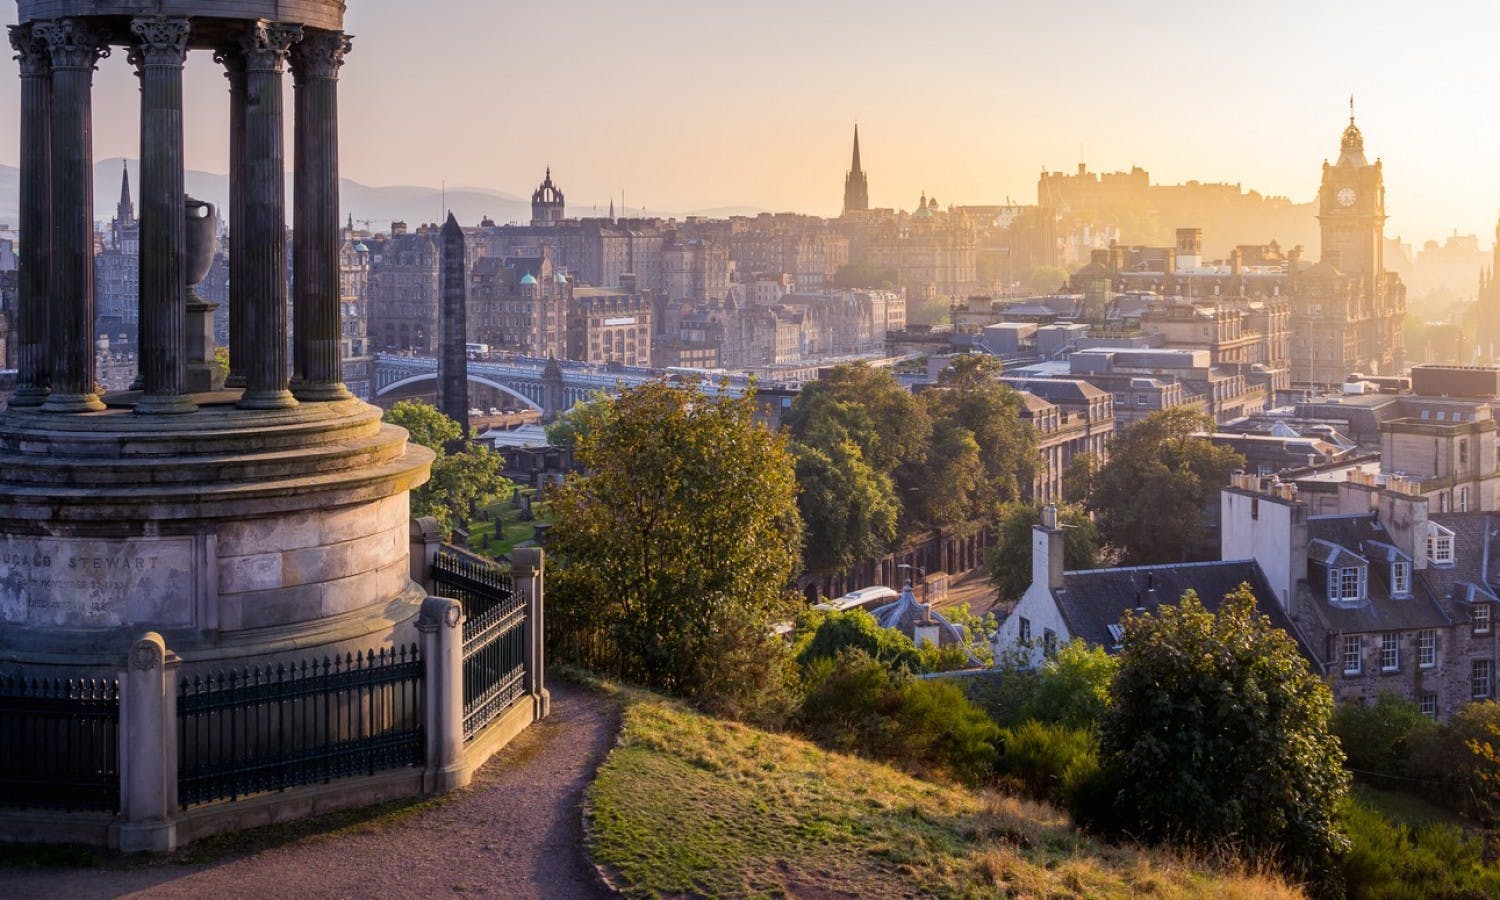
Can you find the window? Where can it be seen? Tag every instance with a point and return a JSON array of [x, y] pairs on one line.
[[1024, 631], [1400, 577], [1479, 680], [1049, 643], [1390, 653], [1439, 544], [1427, 648], [1463, 499], [1117, 634], [1463, 452], [1479, 616], [1352, 664], [1347, 583], [1428, 704]]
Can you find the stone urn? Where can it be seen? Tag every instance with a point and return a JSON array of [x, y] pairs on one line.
[[202, 228], [203, 373]]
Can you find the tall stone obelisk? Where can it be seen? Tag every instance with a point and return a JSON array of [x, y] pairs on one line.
[[453, 330]]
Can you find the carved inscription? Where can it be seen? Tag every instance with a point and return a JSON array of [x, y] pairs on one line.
[[89, 582]]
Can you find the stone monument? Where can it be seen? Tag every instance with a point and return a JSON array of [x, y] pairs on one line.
[[235, 522]]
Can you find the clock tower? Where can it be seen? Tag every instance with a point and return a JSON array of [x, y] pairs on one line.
[[1351, 208]]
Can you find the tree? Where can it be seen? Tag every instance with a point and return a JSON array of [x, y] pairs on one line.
[[869, 408], [858, 275], [970, 398], [1078, 477], [583, 417], [1217, 735], [848, 508], [1044, 279], [425, 424], [461, 480], [1010, 559], [873, 410], [677, 546], [1151, 496]]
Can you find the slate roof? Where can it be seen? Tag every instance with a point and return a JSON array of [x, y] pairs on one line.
[[906, 613], [1358, 539], [1092, 600], [1057, 390]]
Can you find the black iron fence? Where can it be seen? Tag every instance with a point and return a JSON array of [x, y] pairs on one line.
[[478, 584], [60, 743], [255, 730], [495, 664]]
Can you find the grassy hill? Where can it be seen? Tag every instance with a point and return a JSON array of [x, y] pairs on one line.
[[690, 805]]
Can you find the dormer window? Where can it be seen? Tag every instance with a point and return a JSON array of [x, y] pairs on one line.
[[1401, 578], [1439, 545], [1117, 634], [1347, 583]]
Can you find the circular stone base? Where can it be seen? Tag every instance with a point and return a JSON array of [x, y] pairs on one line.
[[236, 534]]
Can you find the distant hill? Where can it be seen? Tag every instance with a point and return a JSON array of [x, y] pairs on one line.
[[379, 205]]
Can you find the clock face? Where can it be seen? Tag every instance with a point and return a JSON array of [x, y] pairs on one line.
[[1346, 196]]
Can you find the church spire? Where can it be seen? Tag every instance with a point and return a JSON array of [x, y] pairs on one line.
[[856, 187], [125, 211]]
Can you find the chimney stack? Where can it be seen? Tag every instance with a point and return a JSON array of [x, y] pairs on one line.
[[1047, 543]]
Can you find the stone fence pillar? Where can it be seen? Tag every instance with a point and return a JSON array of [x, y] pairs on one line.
[[426, 538], [527, 573], [441, 627], [148, 747]]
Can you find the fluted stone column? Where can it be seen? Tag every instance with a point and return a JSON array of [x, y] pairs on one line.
[[316, 324], [239, 321], [265, 46], [158, 55], [76, 49], [34, 373]]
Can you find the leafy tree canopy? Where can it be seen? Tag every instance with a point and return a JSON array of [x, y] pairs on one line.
[[1218, 735], [425, 423], [1150, 497], [679, 543], [582, 418], [868, 406], [462, 480], [849, 509], [970, 398], [1010, 559]]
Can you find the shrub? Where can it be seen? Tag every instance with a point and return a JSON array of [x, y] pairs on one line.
[[1378, 739], [857, 704], [1072, 688], [1039, 756], [1461, 754], [1397, 861], [1220, 735], [939, 731], [858, 630]]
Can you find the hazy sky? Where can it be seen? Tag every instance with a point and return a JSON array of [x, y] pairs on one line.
[[690, 105]]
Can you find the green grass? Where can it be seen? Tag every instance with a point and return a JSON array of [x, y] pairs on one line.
[[690, 805], [482, 536], [1407, 808]]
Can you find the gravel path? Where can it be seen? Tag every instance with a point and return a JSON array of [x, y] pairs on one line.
[[515, 832]]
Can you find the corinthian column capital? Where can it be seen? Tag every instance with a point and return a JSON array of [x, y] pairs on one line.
[[320, 54], [267, 44], [72, 44], [31, 50], [160, 41]]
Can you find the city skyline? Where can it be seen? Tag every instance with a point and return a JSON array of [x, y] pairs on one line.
[[965, 102]]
